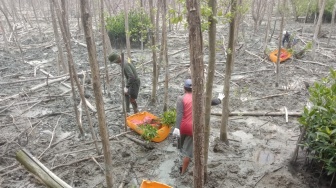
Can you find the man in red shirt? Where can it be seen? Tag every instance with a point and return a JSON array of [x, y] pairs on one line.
[[184, 123]]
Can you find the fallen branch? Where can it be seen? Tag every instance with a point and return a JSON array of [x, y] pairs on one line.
[[38, 169], [313, 62], [276, 95], [145, 144], [74, 162], [260, 113], [35, 88]]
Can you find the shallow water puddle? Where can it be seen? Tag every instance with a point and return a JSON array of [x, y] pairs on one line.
[[265, 157]]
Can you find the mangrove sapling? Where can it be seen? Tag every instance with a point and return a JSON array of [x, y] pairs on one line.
[[168, 118], [149, 131]]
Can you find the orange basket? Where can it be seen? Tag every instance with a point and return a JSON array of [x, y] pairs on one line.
[[137, 119], [284, 55], [153, 184]]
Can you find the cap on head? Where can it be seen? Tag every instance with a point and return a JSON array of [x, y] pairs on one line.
[[284, 32], [188, 84], [113, 57]]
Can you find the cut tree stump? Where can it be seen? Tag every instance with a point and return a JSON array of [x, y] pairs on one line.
[[39, 170]]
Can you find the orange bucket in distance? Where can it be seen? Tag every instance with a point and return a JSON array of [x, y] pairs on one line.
[[153, 184]]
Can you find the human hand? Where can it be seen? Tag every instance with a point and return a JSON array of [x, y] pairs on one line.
[[221, 96], [176, 132], [125, 90]]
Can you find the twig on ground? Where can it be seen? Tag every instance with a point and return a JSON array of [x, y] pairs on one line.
[[276, 95], [74, 162], [51, 139], [101, 168], [313, 62]]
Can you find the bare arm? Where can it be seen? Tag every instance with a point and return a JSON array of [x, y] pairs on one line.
[[179, 112]]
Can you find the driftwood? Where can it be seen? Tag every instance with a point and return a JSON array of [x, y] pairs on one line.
[[38, 169], [145, 144], [260, 113]]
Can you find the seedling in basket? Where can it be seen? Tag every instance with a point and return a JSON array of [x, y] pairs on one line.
[[149, 131], [168, 118]]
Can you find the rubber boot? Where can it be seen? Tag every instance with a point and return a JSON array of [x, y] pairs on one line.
[[127, 100], [135, 107]]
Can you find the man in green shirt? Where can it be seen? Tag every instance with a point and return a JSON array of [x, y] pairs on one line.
[[132, 82]]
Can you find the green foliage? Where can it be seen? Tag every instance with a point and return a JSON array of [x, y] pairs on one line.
[[320, 122], [308, 46], [302, 6], [149, 132], [168, 118], [138, 21]]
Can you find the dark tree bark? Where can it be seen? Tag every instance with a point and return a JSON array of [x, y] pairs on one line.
[[165, 53], [103, 30], [279, 43], [60, 59], [317, 29], [269, 16], [91, 47], [153, 43], [128, 44], [209, 83], [66, 39], [197, 70], [332, 23], [228, 71]]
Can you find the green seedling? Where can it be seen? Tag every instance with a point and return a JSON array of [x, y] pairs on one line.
[[320, 123], [149, 132], [168, 118]]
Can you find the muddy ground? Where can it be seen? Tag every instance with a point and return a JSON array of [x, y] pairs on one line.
[[260, 147]]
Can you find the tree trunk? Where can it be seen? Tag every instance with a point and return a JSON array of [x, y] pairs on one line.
[[3, 10], [4, 36], [36, 17], [228, 71], [165, 54], [279, 44], [102, 30], [197, 69], [65, 14], [332, 23], [91, 47], [317, 29], [157, 26], [294, 10], [269, 16], [153, 43], [209, 83], [60, 59], [128, 44], [66, 39]]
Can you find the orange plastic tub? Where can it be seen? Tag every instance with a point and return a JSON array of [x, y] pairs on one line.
[[284, 55], [153, 184], [137, 119]]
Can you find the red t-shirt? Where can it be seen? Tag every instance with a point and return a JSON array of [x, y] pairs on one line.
[[186, 123]]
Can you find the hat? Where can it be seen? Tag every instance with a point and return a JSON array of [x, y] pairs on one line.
[[113, 57], [284, 32], [188, 84]]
